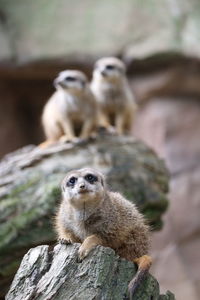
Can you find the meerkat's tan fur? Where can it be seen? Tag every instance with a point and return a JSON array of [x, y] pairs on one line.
[[113, 94], [71, 107], [91, 215]]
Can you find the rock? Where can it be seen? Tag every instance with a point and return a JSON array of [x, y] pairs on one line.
[[56, 275], [30, 189]]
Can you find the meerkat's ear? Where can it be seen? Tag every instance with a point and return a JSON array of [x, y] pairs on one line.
[[61, 73]]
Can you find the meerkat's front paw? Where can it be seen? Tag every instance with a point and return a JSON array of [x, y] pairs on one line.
[[46, 144], [64, 241], [82, 253], [112, 130], [66, 139], [107, 130]]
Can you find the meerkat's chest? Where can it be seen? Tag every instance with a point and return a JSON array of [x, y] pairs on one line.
[[112, 97], [77, 225], [68, 103], [83, 225], [76, 108]]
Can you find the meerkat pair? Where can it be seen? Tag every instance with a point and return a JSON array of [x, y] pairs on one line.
[[91, 215], [77, 109]]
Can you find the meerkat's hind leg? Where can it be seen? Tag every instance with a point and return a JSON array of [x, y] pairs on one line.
[[129, 120], [87, 129], [46, 144], [144, 263], [104, 123], [69, 134], [119, 123], [128, 125], [53, 132]]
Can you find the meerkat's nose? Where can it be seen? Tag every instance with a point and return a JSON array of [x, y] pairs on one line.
[[82, 185], [103, 73]]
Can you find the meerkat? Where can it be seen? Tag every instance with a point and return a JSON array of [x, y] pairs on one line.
[[113, 95], [71, 110], [92, 215]]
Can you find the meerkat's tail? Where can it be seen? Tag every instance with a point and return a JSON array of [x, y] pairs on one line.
[[144, 262]]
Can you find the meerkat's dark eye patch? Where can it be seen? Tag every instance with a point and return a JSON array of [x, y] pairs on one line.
[[71, 181], [110, 67], [70, 78], [91, 178]]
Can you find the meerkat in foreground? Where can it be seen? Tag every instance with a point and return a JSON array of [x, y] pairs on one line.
[[113, 94], [91, 215], [71, 110]]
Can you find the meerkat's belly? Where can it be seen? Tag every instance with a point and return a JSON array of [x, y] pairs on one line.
[[79, 230], [112, 100]]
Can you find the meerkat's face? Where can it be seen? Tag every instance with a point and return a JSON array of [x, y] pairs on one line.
[[109, 69], [83, 186], [71, 80]]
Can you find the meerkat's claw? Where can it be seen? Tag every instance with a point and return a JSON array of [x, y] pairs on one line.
[[64, 242], [79, 260], [82, 253], [66, 139]]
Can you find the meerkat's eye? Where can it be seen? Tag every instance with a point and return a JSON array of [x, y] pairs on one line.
[[110, 67], [91, 178], [70, 78], [71, 181]]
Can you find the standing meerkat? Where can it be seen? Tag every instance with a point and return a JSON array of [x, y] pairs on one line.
[[113, 94], [91, 215], [71, 110]]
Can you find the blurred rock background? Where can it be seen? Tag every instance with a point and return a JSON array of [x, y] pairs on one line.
[[160, 43]]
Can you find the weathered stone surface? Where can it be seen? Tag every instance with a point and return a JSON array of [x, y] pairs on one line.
[[56, 275], [30, 188]]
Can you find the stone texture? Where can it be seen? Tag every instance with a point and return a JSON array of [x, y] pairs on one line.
[[56, 275]]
